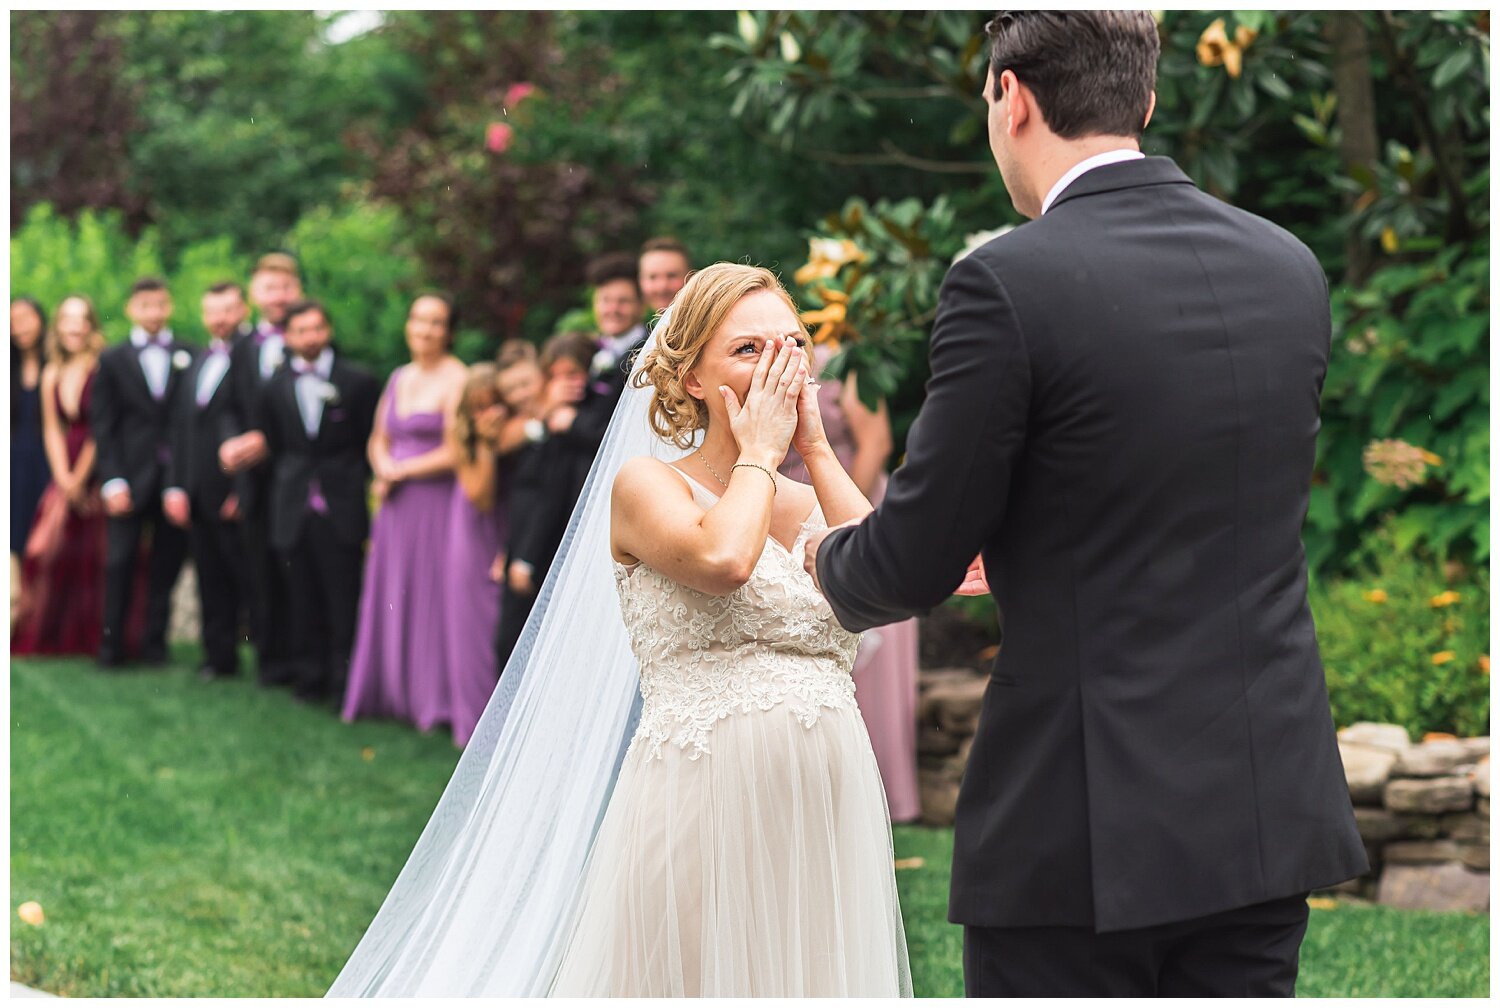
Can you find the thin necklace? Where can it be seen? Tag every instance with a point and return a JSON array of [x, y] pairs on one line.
[[712, 469]]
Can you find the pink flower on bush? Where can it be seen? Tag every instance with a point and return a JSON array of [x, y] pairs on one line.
[[1398, 464], [517, 93], [498, 137]]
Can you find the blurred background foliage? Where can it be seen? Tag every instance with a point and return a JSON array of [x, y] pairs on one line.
[[494, 153]]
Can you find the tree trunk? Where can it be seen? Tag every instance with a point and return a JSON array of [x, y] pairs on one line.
[[1359, 144]]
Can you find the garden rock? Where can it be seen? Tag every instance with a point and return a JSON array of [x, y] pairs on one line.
[[1377, 826], [1438, 794], [1390, 737], [1435, 887], [1433, 759], [1421, 852], [1366, 768]]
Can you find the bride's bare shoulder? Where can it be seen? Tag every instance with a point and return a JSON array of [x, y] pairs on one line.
[[647, 477]]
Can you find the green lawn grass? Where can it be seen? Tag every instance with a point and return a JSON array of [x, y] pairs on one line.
[[218, 839]]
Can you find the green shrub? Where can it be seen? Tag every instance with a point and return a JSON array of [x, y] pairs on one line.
[[1410, 362], [354, 258], [1407, 642]]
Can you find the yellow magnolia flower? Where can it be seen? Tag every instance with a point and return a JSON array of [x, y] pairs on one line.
[[1444, 600], [1443, 657], [1215, 48], [831, 319], [826, 256], [1376, 595]]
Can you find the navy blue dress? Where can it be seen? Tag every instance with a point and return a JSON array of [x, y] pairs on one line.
[[29, 474]]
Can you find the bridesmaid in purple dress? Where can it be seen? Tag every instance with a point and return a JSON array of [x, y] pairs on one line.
[[476, 533], [398, 666], [885, 673]]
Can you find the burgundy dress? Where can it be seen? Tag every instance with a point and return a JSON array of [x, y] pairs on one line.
[[885, 673], [398, 669], [62, 573]]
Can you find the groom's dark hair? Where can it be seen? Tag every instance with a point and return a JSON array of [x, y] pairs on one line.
[[1092, 72]]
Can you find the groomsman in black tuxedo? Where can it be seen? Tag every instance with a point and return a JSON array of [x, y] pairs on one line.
[[200, 496], [317, 413], [275, 285], [132, 406]]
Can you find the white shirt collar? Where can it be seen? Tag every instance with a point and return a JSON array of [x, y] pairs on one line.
[[140, 337], [323, 366], [1088, 164], [619, 344]]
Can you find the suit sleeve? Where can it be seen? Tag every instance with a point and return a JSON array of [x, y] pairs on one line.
[[948, 498], [104, 421]]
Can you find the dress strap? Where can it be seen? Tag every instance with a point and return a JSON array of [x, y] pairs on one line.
[[693, 484]]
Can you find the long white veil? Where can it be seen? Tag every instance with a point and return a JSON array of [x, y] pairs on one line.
[[485, 901]]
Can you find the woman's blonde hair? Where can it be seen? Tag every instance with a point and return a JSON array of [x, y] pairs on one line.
[[56, 352], [698, 311], [481, 376]]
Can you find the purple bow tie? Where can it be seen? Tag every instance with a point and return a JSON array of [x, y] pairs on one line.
[[264, 330]]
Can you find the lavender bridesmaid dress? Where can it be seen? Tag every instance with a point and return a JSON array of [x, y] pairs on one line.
[[885, 673], [472, 607], [397, 670]]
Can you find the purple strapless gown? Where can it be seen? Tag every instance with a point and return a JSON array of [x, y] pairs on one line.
[[397, 670], [472, 606]]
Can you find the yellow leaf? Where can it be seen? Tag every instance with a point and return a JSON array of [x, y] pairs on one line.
[[1390, 241], [1444, 600], [1322, 903], [1376, 595], [1443, 657], [367, 753], [905, 864]]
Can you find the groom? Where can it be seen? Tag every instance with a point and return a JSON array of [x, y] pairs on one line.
[[1121, 419]]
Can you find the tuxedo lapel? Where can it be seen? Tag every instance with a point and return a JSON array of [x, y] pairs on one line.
[[135, 375], [288, 394]]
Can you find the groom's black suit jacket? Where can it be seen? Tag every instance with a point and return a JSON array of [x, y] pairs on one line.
[[1122, 416]]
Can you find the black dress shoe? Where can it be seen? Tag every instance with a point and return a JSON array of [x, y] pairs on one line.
[[109, 660]]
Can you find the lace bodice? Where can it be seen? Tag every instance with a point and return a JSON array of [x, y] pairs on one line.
[[705, 658]]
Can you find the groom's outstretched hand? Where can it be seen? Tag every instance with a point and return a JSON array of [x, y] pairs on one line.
[[810, 557]]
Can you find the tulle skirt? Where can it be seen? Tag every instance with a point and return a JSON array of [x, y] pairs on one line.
[[762, 869]]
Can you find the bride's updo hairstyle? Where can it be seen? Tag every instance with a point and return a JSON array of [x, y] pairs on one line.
[[696, 314]]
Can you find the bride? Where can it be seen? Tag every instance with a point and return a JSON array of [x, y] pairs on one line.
[[681, 800]]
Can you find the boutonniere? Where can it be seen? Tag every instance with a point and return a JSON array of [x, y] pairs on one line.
[[329, 393], [600, 388], [603, 361], [181, 360]]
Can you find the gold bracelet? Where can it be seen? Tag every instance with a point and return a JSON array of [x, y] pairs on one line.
[[752, 465]]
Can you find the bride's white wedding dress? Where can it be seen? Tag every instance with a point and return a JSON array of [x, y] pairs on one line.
[[746, 848]]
